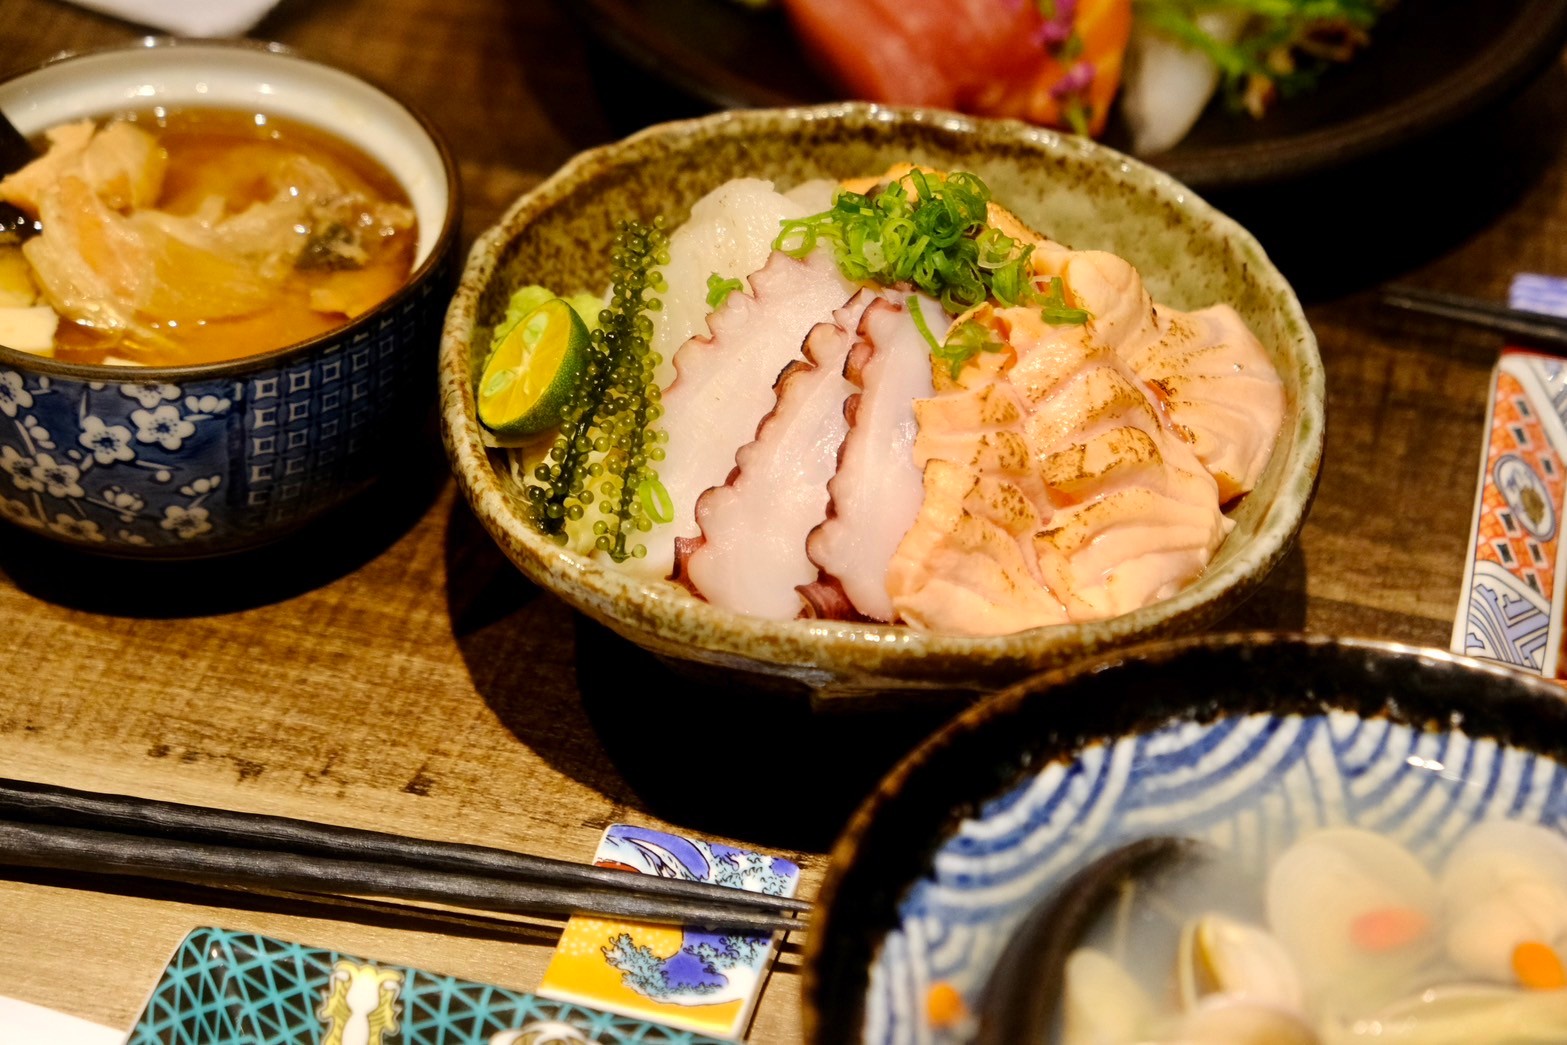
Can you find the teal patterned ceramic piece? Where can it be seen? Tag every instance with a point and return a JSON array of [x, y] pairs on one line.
[[1080, 193], [235, 988]]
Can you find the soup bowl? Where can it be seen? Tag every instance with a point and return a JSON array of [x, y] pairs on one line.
[[1241, 742], [1083, 194], [205, 459]]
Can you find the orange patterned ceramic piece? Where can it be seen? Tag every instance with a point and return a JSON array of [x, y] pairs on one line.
[[1512, 588], [1513, 592], [1523, 490]]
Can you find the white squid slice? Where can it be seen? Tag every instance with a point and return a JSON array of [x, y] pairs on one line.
[[730, 233]]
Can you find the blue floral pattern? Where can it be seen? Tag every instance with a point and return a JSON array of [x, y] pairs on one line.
[[116, 479]]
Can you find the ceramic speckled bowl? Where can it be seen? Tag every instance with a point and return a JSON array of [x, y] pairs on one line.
[[1073, 190], [1241, 741], [177, 462]]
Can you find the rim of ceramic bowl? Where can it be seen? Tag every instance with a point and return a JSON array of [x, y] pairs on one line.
[[1496, 697], [440, 247], [831, 648]]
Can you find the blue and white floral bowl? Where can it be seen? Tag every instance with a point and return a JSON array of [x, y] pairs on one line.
[[203, 460]]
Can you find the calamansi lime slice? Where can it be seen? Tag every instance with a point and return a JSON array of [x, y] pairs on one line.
[[532, 371]]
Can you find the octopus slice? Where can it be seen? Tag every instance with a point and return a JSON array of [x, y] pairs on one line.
[[877, 489], [724, 385], [752, 555]]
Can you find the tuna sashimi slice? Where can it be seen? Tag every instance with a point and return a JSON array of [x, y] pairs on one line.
[[752, 558], [981, 56], [724, 384], [877, 489]]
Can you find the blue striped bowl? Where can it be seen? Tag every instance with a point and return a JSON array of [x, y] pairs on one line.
[[1240, 740]]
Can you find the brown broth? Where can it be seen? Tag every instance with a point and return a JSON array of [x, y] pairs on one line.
[[235, 155]]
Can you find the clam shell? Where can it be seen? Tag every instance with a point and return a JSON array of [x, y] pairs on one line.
[[1240, 1021], [1317, 890], [1101, 1000], [1504, 883], [1222, 955]]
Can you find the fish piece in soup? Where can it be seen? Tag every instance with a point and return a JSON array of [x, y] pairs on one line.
[[203, 235]]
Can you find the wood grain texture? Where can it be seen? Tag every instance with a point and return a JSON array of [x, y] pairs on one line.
[[388, 669]]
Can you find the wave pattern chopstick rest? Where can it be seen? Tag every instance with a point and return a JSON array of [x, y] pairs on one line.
[[689, 977]]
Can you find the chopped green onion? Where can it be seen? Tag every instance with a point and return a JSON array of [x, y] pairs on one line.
[[656, 501], [939, 239], [930, 239], [965, 341], [719, 289], [918, 315], [1053, 306]]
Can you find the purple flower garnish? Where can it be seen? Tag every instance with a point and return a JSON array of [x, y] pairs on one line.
[[1056, 29], [1076, 81]]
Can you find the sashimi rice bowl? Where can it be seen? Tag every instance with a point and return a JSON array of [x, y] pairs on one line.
[[879, 399]]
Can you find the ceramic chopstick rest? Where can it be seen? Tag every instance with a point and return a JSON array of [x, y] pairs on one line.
[[689, 977], [1510, 607]]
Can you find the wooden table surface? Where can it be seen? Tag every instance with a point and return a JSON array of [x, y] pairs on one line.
[[389, 669]]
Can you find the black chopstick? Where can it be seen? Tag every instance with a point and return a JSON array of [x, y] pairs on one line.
[[108, 852], [47, 805], [1535, 328]]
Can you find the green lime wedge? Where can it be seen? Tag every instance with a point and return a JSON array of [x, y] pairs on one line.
[[531, 373]]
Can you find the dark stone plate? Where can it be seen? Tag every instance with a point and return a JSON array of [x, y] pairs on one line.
[[1431, 62]]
